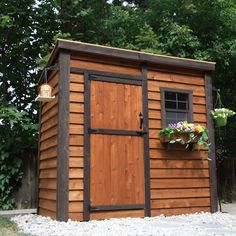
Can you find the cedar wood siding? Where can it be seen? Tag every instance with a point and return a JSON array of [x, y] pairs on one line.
[[179, 178], [48, 152], [76, 160], [76, 147]]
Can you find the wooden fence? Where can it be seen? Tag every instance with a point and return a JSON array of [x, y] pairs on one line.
[[226, 178], [26, 194]]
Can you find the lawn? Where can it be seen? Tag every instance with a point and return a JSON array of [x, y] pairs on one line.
[[9, 228]]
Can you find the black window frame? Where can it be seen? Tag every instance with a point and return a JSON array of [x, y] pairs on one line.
[[163, 109]]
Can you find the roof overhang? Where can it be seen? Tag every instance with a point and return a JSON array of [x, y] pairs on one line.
[[131, 55]]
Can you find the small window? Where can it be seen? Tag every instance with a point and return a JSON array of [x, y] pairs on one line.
[[176, 106]]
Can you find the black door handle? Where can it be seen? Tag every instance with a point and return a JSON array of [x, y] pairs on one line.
[[140, 120]]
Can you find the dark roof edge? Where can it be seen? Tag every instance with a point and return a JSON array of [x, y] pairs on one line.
[[134, 55]]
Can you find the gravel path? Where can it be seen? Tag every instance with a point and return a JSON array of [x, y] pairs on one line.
[[184, 225]]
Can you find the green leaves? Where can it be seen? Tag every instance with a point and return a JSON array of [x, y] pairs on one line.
[[3, 21], [16, 132]]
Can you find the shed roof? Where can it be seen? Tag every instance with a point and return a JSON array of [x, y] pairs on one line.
[[138, 56]]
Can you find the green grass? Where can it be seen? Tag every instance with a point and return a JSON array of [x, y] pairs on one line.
[[9, 228]]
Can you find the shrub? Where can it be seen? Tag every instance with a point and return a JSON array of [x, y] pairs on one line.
[[16, 133]]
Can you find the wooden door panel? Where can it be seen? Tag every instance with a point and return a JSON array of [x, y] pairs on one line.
[[115, 106], [117, 170]]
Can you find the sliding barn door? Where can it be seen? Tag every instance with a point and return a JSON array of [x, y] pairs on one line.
[[116, 147]]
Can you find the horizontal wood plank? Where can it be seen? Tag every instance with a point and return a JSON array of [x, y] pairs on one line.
[[176, 78], [48, 105], [76, 184], [155, 86], [47, 204], [153, 132], [197, 108], [76, 195], [76, 151], [156, 105], [48, 143], [199, 118], [49, 153], [48, 174], [47, 213], [179, 193], [179, 183], [76, 140], [179, 211], [155, 124], [75, 87], [178, 164], [48, 164], [199, 100], [49, 114], [53, 79], [179, 173], [76, 162], [89, 65], [177, 154], [185, 202], [48, 134], [76, 78], [48, 184], [76, 207], [76, 216], [52, 122], [116, 214], [76, 129], [47, 194], [76, 118], [76, 107], [76, 173], [154, 95], [77, 97]]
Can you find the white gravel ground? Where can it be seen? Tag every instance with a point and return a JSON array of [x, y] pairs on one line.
[[184, 225]]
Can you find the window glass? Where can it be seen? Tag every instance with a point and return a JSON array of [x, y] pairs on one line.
[[182, 106], [171, 105], [170, 95], [176, 106], [182, 97], [182, 116]]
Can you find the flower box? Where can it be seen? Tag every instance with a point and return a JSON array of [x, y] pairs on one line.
[[186, 134], [180, 136]]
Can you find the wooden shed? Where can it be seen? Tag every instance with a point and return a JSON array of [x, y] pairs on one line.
[[99, 151]]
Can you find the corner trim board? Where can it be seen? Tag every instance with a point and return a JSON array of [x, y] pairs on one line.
[[86, 214], [146, 141], [210, 126], [63, 138]]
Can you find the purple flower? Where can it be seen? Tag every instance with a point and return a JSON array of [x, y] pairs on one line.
[[172, 126]]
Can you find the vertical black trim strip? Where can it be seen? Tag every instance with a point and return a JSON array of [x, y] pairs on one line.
[[86, 146], [210, 126], [163, 109], [190, 103], [146, 141], [63, 137], [38, 160]]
